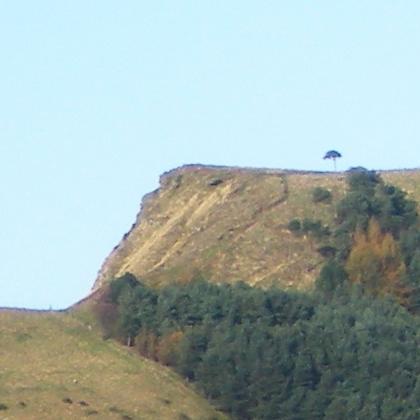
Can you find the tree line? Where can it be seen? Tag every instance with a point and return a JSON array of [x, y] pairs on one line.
[[271, 354]]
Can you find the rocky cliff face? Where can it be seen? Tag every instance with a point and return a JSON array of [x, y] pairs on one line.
[[230, 224]]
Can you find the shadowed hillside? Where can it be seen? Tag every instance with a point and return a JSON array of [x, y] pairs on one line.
[[56, 366], [229, 224]]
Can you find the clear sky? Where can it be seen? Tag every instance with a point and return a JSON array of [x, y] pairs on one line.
[[98, 98]]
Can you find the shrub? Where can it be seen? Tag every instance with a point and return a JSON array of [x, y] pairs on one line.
[[321, 195], [114, 409], [327, 251], [295, 225], [309, 226], [315, 228]]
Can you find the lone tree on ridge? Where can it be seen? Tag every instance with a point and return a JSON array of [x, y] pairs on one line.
[[333, 154]]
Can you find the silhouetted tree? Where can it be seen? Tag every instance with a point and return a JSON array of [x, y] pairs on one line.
[[332, 154]]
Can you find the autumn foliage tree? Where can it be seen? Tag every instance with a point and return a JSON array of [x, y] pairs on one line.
[[376, 263], [169, 347]]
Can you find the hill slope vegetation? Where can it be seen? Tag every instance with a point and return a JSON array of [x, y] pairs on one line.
[[231, 224], [345, 349], [272, 354], [339, 340], [56, 365]]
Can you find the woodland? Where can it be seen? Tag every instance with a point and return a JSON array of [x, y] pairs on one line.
[[347, 348]]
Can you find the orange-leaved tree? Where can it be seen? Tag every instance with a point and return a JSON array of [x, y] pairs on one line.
[[169, 347], [375, 262]]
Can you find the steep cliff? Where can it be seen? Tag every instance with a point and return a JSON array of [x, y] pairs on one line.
[[224, 224], [229, 224]]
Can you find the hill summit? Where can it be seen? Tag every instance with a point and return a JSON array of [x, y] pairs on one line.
[[229, 224]]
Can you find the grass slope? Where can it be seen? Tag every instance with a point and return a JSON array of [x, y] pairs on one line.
[[56, 366], [235, 230], [229, 224]]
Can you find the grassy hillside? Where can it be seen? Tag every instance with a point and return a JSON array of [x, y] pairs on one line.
[[228, 224], [222, 224], [56, 366]]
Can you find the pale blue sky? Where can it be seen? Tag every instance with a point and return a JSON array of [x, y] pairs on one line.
[[98, 98]]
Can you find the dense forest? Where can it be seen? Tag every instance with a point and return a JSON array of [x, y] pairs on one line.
[[347, 349]]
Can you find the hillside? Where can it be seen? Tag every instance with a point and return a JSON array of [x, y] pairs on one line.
[[229, 224], [56, 365], [221, 224]]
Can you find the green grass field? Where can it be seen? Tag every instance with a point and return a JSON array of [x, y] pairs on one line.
[[57, 366]]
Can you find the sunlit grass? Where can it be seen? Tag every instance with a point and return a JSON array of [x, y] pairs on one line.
[[56, 365]]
